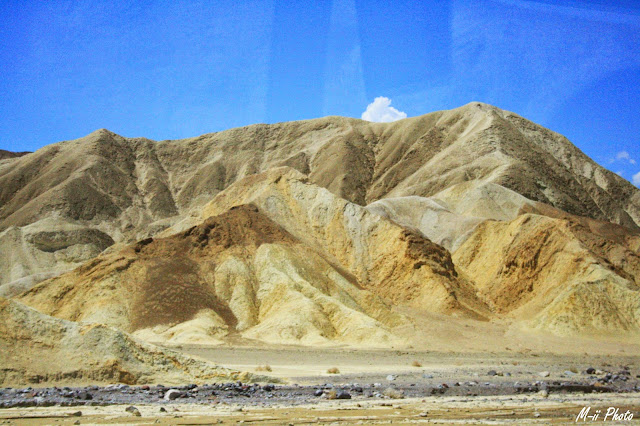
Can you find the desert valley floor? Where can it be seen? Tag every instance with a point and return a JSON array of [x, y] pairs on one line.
[[384, 387]]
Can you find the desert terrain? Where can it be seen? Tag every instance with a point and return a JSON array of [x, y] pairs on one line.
[[414, 257], [401, 387]]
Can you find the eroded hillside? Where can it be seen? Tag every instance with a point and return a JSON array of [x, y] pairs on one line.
[[324, 232]]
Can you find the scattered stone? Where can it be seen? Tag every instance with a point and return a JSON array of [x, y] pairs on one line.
[[423, 414], [544, 374], [163, 410], [76, 414], [492, 372], [393, 393], [343, 395], [133, 410], [332, 394], [84, 395], [391, 377], [172, 394]]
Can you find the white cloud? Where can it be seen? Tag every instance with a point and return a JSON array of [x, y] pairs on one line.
[[624, 156], [636, 179], [381, 111]]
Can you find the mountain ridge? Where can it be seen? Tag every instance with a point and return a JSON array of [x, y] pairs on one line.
[[364, 176], [430, 213]]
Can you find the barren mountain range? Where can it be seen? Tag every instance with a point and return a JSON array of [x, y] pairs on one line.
[[333, 231]]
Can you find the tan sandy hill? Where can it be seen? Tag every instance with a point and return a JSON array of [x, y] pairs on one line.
[[490, 159], [429, 217], [567, 275], [357, 160], [500, 261], [238, 274], [37, 349], [393, 262]]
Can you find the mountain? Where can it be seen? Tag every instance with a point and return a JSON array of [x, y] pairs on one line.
[[326, 231], [139, 181], [130, 189]]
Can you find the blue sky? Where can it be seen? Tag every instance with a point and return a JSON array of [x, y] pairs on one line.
[[174, 69]]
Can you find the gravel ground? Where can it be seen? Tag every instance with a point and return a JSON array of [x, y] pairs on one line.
[[269, 394], [371, 387]]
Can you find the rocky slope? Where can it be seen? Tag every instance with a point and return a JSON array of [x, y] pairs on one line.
[[36, 349]]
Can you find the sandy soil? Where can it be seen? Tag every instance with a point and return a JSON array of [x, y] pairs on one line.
[[309, 366]]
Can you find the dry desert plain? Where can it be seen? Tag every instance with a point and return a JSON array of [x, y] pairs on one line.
[[516, 393]]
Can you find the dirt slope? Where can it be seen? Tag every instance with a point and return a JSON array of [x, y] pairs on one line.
[[352, 218], [568, 276], [37, 349], [43, 249], [429, 217]]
